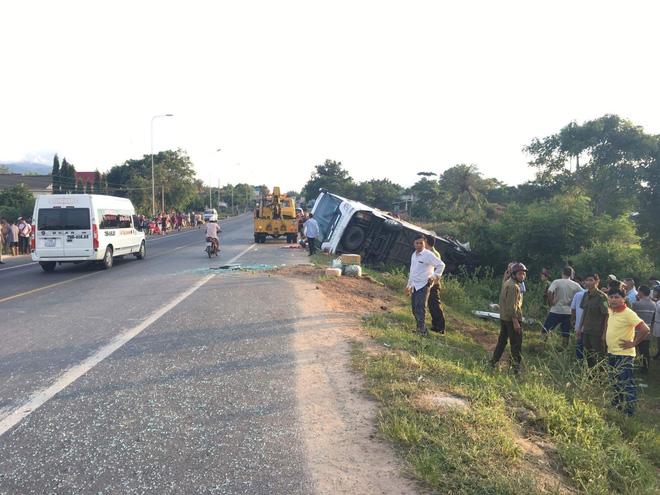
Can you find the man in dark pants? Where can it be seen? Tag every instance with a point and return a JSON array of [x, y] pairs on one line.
[[645, 309], [511, 317], [311, 232], [425, 269], [435, 305], [595, 312]]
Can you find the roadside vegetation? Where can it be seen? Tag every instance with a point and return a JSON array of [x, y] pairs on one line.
[[462, 427]]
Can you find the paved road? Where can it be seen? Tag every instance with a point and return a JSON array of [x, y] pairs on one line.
[[159, 375]]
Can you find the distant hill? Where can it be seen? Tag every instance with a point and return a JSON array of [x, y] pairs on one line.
[[27, 167]]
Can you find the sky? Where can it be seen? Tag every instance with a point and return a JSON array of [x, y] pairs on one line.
[[387, 88]]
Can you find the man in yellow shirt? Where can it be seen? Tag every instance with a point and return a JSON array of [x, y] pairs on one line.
[[621, 343]]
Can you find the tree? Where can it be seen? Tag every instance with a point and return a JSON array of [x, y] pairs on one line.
[[173, 174], [55, 174], [330, 176], [464, 187], [609, 155], [16, 201], [427, 199], [648, 219], [379, 193], [4, 169], [80, 187], [104, 184], [62, 178], [88, 187], [96, 187], [67, 178]]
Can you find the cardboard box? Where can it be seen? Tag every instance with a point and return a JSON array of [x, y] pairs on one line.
[[333, 272], [350, 259]]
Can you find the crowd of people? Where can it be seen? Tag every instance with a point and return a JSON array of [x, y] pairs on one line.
[[16, 235], [613, 320], [163, 223]]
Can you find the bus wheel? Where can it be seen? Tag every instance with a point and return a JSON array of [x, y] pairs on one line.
[[353, 238], [48, 266], [107, 258]]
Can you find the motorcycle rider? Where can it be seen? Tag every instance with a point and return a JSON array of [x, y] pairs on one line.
[[212, 231]]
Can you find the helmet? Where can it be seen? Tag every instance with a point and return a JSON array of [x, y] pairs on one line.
[[517, 267], [657, 287]]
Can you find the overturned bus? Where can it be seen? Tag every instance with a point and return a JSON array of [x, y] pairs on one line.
[[347, 226]]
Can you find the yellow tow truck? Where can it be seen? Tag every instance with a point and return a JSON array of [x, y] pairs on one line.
[[275, 216]]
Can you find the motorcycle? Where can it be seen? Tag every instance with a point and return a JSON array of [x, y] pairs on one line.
[[211, 248]]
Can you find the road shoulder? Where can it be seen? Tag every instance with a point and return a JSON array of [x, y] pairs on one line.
[[345, 451]]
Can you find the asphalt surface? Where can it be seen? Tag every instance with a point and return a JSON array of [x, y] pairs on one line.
[[198, 395]]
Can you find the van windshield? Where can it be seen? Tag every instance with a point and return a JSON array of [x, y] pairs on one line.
[[63, 219], [326, 214]]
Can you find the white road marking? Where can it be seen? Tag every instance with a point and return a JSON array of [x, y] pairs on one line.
[[19, 266], [241, 254], [72, 374], [76, 371]]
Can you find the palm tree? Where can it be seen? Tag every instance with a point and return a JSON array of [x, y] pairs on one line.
[[464, 185]]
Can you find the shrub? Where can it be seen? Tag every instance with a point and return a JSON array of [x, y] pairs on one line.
[[612, 257]]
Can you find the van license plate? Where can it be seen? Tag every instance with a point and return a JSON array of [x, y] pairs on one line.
[[50, 242]]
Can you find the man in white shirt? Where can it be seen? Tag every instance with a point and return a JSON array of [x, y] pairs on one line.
[[425, 269], [560, 294], [631, 290], [311, 232], [576, 318], [212, 231]]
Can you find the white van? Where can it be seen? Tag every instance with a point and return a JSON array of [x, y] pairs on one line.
[[210, 215], [71, 228]]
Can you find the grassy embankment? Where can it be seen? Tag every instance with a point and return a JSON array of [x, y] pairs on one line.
[[548, 426]]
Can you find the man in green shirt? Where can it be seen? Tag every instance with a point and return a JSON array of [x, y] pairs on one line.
[[595, 313], [511, 317]]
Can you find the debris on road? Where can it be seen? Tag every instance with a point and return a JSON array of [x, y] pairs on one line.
[[232, 268]]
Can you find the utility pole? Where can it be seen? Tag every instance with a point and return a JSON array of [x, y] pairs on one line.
[[162, 205]]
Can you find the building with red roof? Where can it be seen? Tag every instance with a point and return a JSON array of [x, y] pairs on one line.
[[86, 176]]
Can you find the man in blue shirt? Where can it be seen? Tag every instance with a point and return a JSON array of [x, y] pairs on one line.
[[311, 232], [631, 291]]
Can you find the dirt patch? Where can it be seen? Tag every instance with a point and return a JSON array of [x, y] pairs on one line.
[[432, 401], [482, 337], [541, 462], [345, 452], [361, 296]]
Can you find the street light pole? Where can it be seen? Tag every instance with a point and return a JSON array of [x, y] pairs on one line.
[[211, 200], [153, 184]]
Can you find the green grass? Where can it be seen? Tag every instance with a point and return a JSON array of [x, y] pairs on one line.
[[555, 400]]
